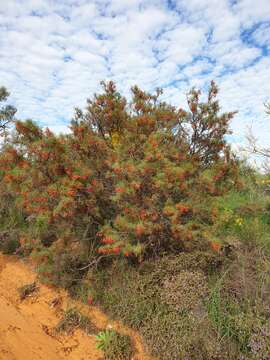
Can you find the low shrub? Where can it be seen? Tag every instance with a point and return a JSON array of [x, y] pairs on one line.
[[115, 346], [259, 343], [9, 242], [186, 291], [186, 308], [136, 296], [74, 319]]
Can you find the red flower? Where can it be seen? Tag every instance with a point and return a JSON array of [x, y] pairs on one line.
[[182, 209], [117, 170], [75, 177], [107, 240], [215, 246], [116, 250], [71, 192], [140, 229], [52, 192], [90, 300], [143, 214], [45, 155], [101, 251], [119, 190]]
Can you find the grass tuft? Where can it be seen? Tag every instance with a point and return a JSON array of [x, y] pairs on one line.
[[73, 319]]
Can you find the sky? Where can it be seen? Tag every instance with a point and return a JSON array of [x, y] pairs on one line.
[[54, 53]]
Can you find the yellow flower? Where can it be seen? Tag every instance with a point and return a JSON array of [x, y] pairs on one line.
[[115, 138], [239, 221]]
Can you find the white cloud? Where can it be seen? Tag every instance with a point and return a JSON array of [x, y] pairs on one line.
[[262, 35], [53, 54]]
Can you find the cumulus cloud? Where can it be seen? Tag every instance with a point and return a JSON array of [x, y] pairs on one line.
[[53, 54]]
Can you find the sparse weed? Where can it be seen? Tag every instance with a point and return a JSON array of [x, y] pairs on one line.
[[73, 319], [27, 290]]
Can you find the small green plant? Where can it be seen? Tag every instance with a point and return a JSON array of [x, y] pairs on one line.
[[115, 346], [103, 339], [73, 319]]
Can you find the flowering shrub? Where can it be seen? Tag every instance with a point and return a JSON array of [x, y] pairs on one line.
[[132, 180]]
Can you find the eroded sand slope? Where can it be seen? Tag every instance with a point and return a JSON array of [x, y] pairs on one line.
[[25, 326]]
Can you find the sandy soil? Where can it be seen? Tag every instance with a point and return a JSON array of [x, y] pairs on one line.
[[26, 326]]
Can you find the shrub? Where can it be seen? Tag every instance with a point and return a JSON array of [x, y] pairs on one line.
[[160, 174], [9, 242], [186, 291], [133, 180]]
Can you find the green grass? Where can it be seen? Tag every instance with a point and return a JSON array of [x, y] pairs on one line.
[[244, 216]]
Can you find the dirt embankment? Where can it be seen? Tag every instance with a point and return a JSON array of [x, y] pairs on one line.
[[25, 326]]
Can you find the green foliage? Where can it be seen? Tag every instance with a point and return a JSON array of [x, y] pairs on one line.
[[103, 338], [244, 216], [129, 180], [218, 313], [144, 210], [114, 345], [7, 112]]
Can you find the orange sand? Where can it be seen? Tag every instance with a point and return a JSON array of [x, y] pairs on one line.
[[25, 325]]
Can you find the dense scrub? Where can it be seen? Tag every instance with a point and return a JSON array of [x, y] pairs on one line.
[[201, 305], [144, 210]]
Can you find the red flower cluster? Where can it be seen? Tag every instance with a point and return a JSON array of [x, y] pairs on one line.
[[215, 246], [182, 209], [107, 240], [115, 250]]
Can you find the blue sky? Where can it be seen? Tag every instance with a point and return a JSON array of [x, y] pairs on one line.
[[54, 53]]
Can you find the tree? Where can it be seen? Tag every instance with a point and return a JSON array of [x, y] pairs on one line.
[[135, 180], [7, 112], [261, 151], [205, 128]]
